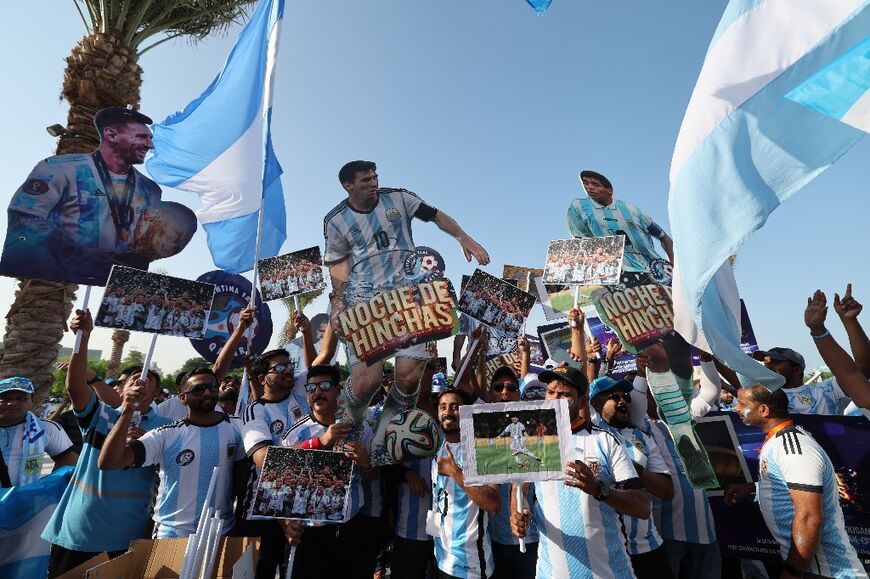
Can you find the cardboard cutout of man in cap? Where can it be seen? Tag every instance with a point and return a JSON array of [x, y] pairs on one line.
[[77, 215]]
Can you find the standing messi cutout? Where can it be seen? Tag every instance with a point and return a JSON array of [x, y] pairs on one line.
[[77, 215], [368, 241]]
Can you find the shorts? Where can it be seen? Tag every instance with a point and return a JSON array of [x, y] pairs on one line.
[[415, 352]]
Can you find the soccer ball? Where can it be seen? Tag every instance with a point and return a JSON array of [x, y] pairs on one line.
[[428, 263], [525, 464], [412, 435]]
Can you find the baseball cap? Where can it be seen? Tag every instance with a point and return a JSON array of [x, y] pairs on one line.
[[439, 382], [17, 383], [505, 371], [606, 383], [568, 375], [780, 354], [533, 389]]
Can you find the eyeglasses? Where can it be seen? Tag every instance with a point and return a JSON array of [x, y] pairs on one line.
[[617, 396], [278, 368], [499, 386], [324, 386], [200, 388]]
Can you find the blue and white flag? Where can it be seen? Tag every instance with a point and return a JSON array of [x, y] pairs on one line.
[[842, 89], [220, 147], [744, 148], [24, 512]]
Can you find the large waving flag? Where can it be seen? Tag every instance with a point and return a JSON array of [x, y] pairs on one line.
[[220, 147], [744, 148], [24, 512]]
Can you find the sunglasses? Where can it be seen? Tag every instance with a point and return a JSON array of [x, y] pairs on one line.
[[200, 388], [499, 386], [617, 396], [324, 386], [278, 368]]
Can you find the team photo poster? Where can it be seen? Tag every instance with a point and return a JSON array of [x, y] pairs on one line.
[[584, 261], [495, 302], [305, 485], [515, 441], [291, 274], [157, 304]]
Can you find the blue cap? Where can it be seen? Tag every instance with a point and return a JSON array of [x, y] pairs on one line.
[[605, 384], [20, 384], [439, 383]]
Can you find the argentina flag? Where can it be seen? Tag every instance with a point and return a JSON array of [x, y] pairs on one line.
[[220, 147], [24, 512], [744, 148]]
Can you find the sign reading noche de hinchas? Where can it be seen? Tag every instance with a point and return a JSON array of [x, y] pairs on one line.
[[639, 315], [391, 320]]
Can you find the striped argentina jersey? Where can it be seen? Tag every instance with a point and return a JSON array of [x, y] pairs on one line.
[[462, 547], [641, 534], [187, 453], [373, 490], [411, 509], [308, 427], [500, 524], [686, 517], [376, 242], [793, 460], [587, 218], [825, 397], [265, 422], [580, 537]]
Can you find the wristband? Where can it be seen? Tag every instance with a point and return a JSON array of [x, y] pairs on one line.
[[820, 336], [791, 570], [94, 380], [312, 443]]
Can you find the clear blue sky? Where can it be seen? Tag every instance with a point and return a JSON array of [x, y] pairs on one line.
[[486, 110]]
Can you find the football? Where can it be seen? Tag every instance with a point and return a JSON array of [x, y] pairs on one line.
[[412, 435]]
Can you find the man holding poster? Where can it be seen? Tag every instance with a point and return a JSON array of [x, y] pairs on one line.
[[368, 240], [600, 215]]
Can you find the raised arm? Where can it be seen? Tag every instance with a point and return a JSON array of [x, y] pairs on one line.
[[227, 353], [525, 356], [668, 246], [469, 247], [116, 454], [576, 320], [848, 309], [850, 379], [77, 374]]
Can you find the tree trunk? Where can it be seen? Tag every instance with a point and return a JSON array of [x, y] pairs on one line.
[[100, 71], [119, 338]]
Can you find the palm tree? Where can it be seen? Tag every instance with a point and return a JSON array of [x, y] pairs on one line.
[[288, 332], [102, 70]]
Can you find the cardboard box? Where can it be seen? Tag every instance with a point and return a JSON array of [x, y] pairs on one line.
[[163, 559]]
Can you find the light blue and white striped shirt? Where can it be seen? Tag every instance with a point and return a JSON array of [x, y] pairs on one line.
[[686, 517], [186, 454], [500, 524], [462, 547], [411, 509], [824, 397], [586, 218], [580, 537], [793, 460]]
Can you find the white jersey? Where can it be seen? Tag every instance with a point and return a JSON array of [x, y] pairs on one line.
[[793, 460], [411, 509], [377, 243], [300, 501], [579, 536], [57, 444], [265, 422], [517, 432], [186, 454], [462, 545], [824, 397], [154, 319]]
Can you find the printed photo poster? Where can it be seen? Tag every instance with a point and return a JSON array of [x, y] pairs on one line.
[[515, 441], [740, 529], [719, 438], [157, 304], [71, 221], [232, 295], [524, 276], [291, 274], [304, 485], [495, 302], [584, 261], [556, 341], [625, 361], [639, 315], [379, 326]]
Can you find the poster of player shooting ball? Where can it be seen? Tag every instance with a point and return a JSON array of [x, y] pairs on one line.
[[75, 216], [495, 302], [157, 304], [719, 438], [584, 261], [306, 485], [515, 441], [291, 274]]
